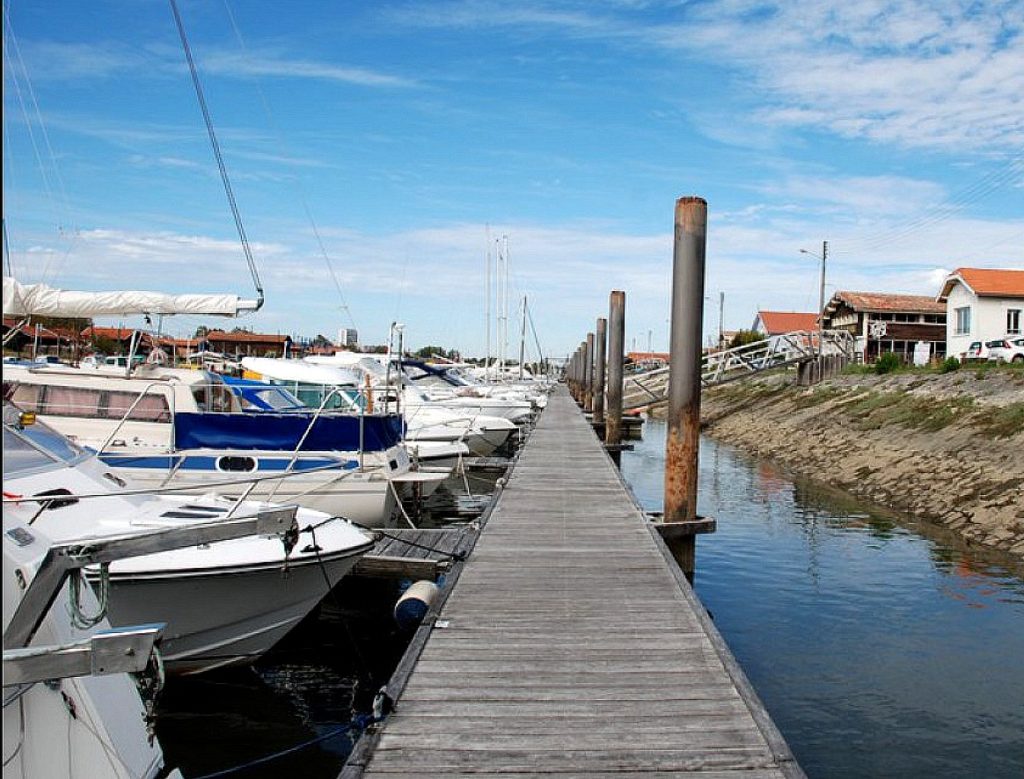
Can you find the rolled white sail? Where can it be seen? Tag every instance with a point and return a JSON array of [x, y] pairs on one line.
[[42, 300]]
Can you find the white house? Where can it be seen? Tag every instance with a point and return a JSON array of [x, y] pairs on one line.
[[981, 305]]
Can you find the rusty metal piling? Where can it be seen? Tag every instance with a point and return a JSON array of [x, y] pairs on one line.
[[588, 367], [616, 344], [683, 436], [600, 338]]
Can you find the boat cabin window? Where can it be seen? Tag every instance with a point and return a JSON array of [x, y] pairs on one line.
[[237, 464], [89, 403], [151, 408], [36, 446], [214, 397]]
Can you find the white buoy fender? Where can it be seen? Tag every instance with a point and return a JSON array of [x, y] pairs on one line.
[[413, 605]]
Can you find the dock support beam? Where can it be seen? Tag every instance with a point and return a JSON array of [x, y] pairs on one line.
[[683, 436]]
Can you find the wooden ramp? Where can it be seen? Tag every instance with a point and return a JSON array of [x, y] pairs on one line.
[[571, 645]]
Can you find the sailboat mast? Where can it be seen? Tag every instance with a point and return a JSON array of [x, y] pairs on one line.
[[487, 306], [522, 339]]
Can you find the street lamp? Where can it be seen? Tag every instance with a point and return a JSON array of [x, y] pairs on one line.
[[821, 296]]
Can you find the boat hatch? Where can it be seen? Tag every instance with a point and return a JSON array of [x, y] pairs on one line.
[[186, 515], [53, 499]]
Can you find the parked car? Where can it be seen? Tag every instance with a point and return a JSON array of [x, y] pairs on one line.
[[978, 350], [1009, 349]]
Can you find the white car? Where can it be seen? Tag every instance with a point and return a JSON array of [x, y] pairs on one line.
[[1008, 349]]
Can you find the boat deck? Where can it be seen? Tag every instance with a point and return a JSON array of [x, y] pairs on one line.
[[571, 645]]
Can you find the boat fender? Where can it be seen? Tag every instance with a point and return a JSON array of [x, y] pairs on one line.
[[412, 606]]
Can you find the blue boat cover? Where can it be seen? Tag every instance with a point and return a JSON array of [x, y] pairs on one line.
[[282, 432]]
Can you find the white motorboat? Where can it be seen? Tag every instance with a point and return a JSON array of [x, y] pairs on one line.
[[162, 426], [312, 382], [252, 590]]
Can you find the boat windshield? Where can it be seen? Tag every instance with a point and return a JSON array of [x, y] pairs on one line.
[[35, 446]]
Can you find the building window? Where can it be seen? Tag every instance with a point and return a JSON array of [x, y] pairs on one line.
[[1013, 321], [963, 320]]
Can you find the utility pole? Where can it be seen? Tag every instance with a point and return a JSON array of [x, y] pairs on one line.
[[821, 302], [821, 296], [721, 321]]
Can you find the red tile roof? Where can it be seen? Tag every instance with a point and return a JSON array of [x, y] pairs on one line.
[[986, 282], [779, 322], [877, 301]]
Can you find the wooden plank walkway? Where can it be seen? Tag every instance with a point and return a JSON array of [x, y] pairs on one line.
[[417, 553], [571, 645]]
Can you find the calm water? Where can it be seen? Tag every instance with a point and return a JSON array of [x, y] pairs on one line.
[[881, 648]]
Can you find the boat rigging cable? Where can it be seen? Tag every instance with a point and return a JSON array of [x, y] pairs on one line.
[[216, 153]]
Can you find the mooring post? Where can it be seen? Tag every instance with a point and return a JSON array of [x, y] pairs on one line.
[[577, 376], [600, 337], [616, 343], [581, 397], [588, 398], [570, 374], [683, 437]]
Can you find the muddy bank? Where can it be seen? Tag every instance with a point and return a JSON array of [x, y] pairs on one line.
[[948, 448]]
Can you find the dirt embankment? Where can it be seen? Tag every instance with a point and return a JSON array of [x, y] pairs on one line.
[[948, 448]]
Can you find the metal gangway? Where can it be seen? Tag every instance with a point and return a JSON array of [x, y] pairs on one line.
[[741, 362]]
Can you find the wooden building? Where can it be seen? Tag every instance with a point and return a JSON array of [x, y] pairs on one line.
[[245, 344], [903, 324]]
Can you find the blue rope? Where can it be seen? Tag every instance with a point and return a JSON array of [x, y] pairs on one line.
[[360, 721]]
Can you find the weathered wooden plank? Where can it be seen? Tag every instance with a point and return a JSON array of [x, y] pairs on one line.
[[443, 762], [693, 741], [760, 773]]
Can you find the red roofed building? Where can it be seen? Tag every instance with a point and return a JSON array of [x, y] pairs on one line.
[[770, 323], [982, 304], [889, 323], [245, 344]]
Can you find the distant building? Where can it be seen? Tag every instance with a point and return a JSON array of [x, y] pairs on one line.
[[348, 338], [981, 305], [246, 344], [648, 360], [769, 323], [889, 323]]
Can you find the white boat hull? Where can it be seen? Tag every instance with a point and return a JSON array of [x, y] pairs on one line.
[[208, 626]]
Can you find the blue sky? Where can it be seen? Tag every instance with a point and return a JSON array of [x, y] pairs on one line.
[[387, 141]]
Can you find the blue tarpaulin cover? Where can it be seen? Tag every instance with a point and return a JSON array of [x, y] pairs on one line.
[[282, 432]]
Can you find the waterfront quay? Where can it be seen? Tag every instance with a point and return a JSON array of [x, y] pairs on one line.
[[569, 643]]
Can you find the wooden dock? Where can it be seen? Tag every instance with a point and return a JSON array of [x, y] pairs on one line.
[[570, 644]]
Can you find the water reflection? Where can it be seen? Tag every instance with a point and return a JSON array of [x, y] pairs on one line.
[[882, 646]]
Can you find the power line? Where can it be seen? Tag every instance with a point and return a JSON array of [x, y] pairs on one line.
[[940, 212]]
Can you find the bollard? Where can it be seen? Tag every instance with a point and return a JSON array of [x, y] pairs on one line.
[[600, 337], [683, 436]]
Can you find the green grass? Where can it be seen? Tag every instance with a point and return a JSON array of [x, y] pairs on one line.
[[1001, 422], [875, 410]]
